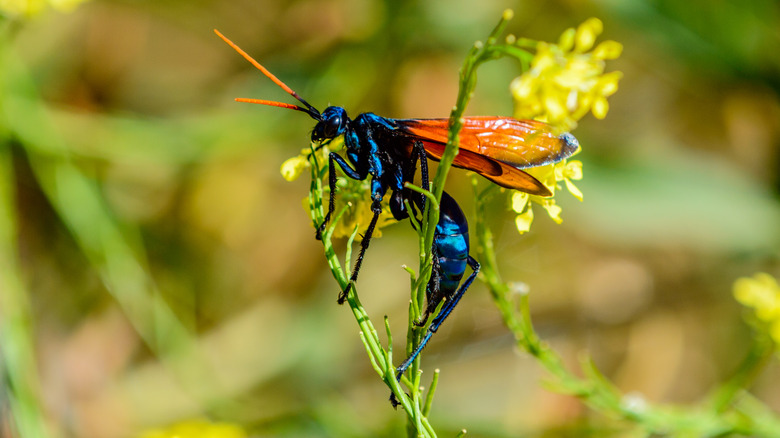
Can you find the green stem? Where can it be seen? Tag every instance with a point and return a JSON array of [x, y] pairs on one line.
[[429, 397], [761, 350], [478, 54], [716, 418], [728, 411], [380, 358]]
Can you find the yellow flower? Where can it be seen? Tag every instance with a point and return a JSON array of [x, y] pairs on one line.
[[761, 293], [550, 175], [197, 429], [357, 194], [29, 8], [567, 80], [568, 172], [524, 219], [293, 167]]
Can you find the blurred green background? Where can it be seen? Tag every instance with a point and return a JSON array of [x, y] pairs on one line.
[[158, 267]]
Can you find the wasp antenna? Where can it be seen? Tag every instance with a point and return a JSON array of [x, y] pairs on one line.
[[309, 109], [273, 103]]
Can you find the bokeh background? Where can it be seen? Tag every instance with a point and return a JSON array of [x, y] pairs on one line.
[[159, 269]]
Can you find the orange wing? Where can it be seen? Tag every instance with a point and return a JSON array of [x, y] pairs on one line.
[[497, 147], [496, 171]]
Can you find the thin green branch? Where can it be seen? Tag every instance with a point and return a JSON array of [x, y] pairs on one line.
[[761, 350], [429, 397], [380, 358], [717, 418], [478, 54]]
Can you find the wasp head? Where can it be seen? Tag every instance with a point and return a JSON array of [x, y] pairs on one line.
[[333, 123]]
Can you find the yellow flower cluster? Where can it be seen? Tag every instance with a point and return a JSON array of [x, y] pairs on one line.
[[567, 80], [293, 167], [197, 429], [356, 194], [550, 175], [29, 8], [761, 293]]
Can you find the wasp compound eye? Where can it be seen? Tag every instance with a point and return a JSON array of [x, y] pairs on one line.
[[332, 126]]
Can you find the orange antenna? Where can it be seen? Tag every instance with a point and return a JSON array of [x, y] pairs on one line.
[[271, 103], [310, 110]]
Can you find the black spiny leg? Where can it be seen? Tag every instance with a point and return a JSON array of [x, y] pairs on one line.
[[331, 198], [418, 153], [418, 145], [445, 311], [433, 295], [376, 207]]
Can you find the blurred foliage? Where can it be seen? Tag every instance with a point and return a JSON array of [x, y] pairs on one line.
[[197, 429], [155, 267]]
